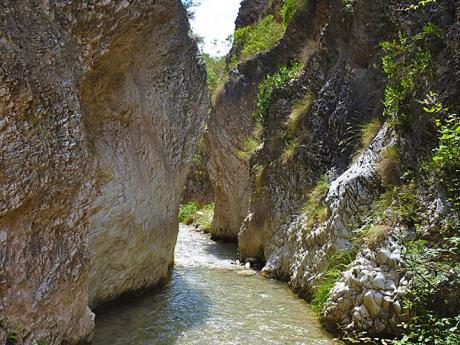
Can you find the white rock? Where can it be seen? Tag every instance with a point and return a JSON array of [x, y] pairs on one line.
[[387, 300], [363, 311], [390, 285], [383, 256], [379, 281], [371, 305]]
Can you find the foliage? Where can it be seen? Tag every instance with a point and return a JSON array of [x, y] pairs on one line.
[[420, 4], [399, 201], [406, 63], [447, 156], [315, 207], [368, 132], [201, 215], [258, 37], [445, 164], [431, 302], [272, 84], [289, 8], [289, 149], [338, 263], [249, 146], [217, 74], [187, 211], [375, 234], [349, 5]]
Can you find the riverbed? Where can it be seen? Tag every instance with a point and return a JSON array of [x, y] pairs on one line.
[[211, 299]]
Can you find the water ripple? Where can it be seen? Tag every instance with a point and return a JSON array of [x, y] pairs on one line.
[[212, 300]]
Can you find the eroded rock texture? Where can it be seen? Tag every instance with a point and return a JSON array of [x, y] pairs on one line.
[[341, 86], [231, 120], [101, 105]]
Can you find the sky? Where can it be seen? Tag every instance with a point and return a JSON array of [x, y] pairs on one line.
[[214, 20]]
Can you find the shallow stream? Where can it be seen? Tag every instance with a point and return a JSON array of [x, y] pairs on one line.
[[210, 299]]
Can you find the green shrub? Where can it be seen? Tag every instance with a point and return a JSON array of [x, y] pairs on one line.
[[407, 65], [349, 5], [187, 211], [400, 200], [258, 37], [202, 215], [369, 131], [324, 288], [435, 272], [315, 207], [444, 166], [375, 235], [289, 8], [446, 157], [272, 84], [216, 72]]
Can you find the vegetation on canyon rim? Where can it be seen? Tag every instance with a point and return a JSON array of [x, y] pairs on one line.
[[265, 33]]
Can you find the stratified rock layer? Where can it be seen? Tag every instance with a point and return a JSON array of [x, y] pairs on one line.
[[101, 105]]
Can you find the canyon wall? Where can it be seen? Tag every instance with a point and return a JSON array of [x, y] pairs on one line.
[[304, 198], [102, 103], [231, 120]]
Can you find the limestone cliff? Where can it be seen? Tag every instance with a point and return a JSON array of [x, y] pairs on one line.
[[231, 120], [310, 189], [101, 105]]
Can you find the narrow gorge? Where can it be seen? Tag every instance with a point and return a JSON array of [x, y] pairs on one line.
[[315, 168]]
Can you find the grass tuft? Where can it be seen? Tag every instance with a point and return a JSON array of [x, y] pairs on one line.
[[289, 149], [299, 110], [315, 207], [249, 146], [388, 166]]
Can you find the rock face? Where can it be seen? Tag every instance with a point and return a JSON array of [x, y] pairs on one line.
[[198, 187], [342, 80], [231, 121], [101, 105]]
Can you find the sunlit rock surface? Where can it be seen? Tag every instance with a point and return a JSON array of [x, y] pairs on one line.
[[101, 105]]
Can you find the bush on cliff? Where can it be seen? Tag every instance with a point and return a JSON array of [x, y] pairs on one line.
[[272, 84], [258, 37]]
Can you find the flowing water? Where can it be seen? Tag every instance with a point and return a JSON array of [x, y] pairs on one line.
[[211, 300]]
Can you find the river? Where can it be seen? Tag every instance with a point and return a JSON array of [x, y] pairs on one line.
[[210, 299]]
